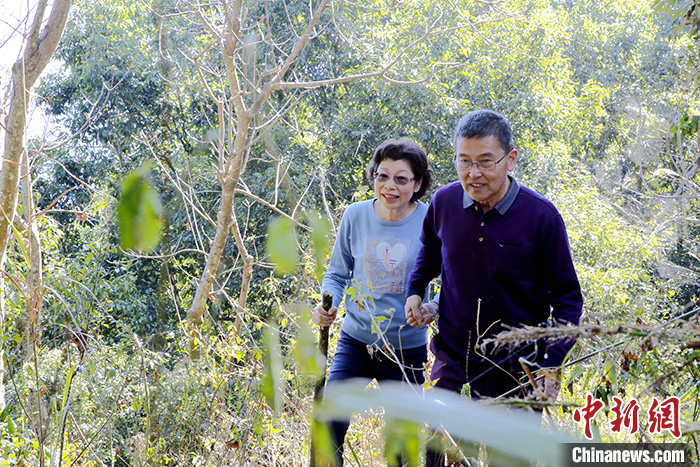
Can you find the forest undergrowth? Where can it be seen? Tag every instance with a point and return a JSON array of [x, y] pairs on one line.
[[106, 404]]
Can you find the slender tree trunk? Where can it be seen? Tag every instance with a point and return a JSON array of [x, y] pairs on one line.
[[247, 274], [223, 225], [2, 297], [2, 336], [35, 279], [35, 291]]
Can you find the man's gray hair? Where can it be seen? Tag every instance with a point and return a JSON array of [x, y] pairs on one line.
[[483, 123]]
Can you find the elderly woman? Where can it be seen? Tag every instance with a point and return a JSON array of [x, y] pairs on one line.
[[374, 252]]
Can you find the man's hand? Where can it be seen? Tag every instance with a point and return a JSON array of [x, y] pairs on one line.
[[417, 313], [322, 317]]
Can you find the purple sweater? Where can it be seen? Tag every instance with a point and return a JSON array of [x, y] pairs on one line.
[[511, 264]]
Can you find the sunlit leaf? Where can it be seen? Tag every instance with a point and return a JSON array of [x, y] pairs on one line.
[[402, 439], [282, 245], [272, 381], [306, 354], [20, 243], [322, 444], [319, 241], [463, 419], [139, 212]]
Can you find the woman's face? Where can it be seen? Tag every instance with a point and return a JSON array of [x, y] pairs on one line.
[[394, 184]]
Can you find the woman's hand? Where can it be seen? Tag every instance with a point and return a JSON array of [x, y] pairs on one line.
[[322, 317]]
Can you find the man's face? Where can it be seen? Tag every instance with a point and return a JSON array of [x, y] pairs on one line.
[[485, 186]]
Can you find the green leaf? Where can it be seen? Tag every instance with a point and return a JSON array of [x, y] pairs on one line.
[[272, 380], [282, 245], [4, 415], [465, 420], [375, 329], [10, 426], [20, 243], [402, 439], [139, 212], [306, 354], [319, 241], [322, 445]]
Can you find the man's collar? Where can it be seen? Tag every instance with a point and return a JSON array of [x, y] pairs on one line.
[[504, 204]]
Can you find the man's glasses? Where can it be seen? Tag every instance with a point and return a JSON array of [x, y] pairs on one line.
[[488, 164], [398, 179]]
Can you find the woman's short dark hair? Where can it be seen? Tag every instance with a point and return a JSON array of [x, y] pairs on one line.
[[406, 149]]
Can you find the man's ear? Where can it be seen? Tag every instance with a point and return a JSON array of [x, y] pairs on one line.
[[512, 159]]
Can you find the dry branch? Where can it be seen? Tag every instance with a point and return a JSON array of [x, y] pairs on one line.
[[685, 332]]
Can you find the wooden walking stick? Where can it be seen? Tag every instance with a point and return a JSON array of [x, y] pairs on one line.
[[327, 303], [318, 389]]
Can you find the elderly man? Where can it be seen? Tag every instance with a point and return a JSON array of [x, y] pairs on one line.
[[502, 252]]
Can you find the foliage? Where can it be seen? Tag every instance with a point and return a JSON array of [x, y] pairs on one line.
[[282, 245], [139, 212], [465, 419]]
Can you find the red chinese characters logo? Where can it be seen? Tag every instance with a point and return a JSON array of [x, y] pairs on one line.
[[625, 415], [592, 407], [663, 416]]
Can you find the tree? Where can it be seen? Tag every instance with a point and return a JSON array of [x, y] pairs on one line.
[[261, 66]]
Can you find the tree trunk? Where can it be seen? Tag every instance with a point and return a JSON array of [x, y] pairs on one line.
[[223, 225], [35, 266], [32, 312]]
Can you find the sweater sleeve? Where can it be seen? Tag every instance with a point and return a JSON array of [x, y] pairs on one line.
[[565, 296], [429, 260], [341, 265]]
